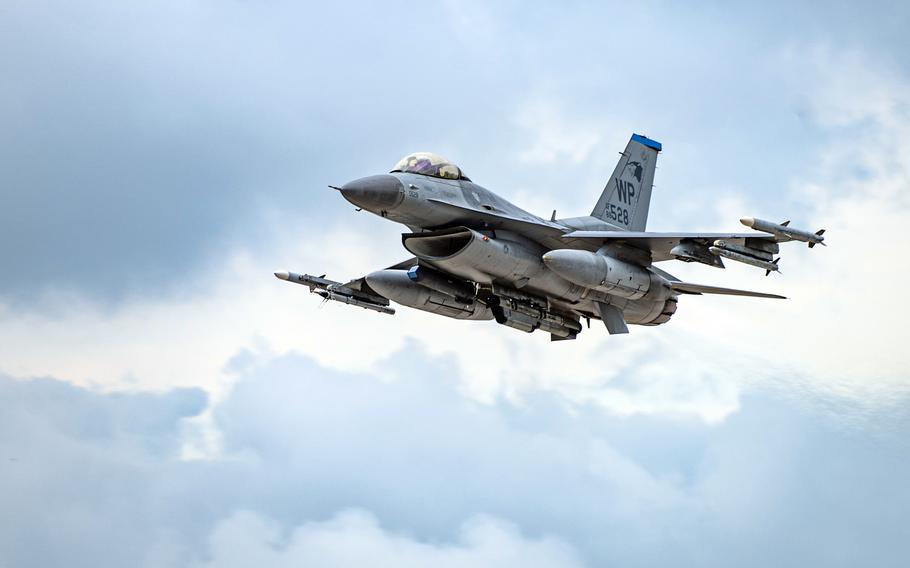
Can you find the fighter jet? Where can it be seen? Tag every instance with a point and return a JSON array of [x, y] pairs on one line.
[[477, 256]]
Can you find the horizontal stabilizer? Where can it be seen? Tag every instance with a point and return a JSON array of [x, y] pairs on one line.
[[689, 288]]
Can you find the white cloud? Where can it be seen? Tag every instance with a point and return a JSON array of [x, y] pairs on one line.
[[555, 137], [841, 334], [393, 457], [353, 538], [842, 331], [849, 86], [444, 479]]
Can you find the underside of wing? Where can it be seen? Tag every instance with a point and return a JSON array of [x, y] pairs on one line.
[[658, 244], [698, 289]]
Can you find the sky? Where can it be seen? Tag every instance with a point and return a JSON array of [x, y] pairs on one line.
[[165, 401]]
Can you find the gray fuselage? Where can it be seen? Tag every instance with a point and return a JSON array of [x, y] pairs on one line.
[[426, 204]]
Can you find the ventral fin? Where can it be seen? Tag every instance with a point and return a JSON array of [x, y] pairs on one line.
[[612, 318]]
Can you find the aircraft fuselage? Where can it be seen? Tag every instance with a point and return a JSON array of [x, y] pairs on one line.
[[513, 257]]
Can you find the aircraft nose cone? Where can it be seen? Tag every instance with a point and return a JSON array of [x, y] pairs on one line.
[[374, 193]]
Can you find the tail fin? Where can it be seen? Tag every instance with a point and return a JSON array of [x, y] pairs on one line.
[[625, 200]]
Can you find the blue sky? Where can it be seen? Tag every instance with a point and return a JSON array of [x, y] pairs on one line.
[[167, 402]]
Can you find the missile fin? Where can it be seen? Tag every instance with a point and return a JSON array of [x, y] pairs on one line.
[[821, 242], [774, 262]]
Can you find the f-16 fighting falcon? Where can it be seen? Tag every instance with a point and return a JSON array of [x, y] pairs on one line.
[[478, 257]]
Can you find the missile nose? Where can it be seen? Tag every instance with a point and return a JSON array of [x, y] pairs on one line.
[[374, 193], [282, 275], [747, 221]]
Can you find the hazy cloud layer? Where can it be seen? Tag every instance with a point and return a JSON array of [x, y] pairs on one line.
[[159, 160], [137, 139], [354, 538], [326, 467], [841, 333]]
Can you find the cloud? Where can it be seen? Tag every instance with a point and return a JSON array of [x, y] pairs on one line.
[[836, 337], [91, 479], [139, 139], [354, 538], [552, 139], [323, 466], [841, 331], [159, 161]]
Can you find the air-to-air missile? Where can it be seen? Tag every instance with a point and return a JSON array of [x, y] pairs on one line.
[[338, 292], [784, 230], [745, 255], [760, 254]]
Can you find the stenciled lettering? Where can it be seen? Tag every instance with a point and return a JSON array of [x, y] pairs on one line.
[[621, 190], [625, 191]]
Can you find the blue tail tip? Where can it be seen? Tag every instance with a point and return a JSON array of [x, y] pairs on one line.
[[645, 141]]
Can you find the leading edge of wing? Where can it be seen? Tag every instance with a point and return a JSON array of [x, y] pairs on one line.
[[500, 220], [690, 288], [649, 236]]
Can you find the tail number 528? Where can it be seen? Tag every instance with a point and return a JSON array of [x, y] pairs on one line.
[[615, 213]]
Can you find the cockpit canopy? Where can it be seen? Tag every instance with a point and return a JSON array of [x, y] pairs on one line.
[[428, 164]]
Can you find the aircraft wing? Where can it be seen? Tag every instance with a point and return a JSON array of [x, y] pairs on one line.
[[658, 244]]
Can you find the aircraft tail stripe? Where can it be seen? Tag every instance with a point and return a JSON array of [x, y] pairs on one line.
[[645, 141]]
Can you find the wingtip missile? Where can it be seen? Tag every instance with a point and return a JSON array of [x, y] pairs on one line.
[[785, 231]]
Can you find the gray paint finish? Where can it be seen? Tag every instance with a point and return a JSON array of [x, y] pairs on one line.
[[478, 256]]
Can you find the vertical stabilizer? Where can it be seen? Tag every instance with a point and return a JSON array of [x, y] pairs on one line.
[[627, 196]]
